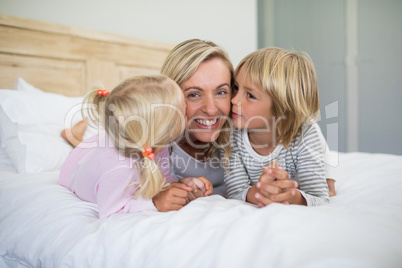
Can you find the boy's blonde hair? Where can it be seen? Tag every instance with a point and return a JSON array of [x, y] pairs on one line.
[[181, 64], [289, 78], [139, 112]]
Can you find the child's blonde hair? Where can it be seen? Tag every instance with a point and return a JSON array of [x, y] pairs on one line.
[[181, 64], [289, 78], [139, 112]]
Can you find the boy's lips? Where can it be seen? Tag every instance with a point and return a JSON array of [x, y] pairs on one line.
[[235, 114]]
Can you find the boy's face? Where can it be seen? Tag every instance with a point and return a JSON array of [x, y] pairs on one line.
[[252, 106]]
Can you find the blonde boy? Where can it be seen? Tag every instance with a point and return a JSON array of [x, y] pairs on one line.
[[278, 149]]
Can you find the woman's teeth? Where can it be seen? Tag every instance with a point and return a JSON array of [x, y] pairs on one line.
[[206, 122]]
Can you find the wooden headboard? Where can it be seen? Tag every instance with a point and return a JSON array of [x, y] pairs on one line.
[[68, 60]]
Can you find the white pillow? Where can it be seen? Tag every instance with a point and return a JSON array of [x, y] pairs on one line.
[[4, 159], [21, 85], [31, 123]]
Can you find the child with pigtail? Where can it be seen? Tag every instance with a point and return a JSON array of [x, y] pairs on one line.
[[127, 169]]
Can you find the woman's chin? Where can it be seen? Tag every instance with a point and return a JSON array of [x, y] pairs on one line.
[[205, 137]]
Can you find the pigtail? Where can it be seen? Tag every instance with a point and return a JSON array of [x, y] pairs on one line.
[[134, 125], [152, 180], [93, 106]]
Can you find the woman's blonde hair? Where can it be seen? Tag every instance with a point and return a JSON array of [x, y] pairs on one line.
[[181, 64], [289, 78], [139, 112]]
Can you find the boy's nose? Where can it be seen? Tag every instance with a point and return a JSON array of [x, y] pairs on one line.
[[236, 100]]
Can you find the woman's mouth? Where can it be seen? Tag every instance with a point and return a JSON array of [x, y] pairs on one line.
[[207, 123]]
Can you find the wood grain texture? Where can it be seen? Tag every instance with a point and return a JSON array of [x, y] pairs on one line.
[[68, 60]]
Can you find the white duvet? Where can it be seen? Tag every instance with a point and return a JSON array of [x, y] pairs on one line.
[[43, 224]]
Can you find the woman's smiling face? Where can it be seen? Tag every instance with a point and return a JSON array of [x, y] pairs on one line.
[[207, 94]]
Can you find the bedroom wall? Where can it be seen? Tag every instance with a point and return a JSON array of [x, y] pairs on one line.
[[232, 26], [356, 49]]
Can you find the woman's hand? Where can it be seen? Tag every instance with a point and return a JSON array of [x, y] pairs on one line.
[[173, 198], [209, 188], [200, 187]]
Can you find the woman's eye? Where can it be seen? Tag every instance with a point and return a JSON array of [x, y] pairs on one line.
[[221, 92], [250, 96], [192, 95]]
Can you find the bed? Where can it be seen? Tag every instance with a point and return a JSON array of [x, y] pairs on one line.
[[44, 71]]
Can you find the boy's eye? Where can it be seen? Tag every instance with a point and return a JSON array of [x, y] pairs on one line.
[[235, 89], [250, 96]]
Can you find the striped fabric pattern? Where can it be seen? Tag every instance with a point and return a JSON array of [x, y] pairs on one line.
[[304, 162]]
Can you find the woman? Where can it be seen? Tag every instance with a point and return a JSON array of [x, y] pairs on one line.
[[204, 72]]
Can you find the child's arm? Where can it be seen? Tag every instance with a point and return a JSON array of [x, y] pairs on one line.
[[174, 198], [237, 180], [115, 196], [330, 161], [310, 168]]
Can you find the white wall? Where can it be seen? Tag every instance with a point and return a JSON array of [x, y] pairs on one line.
[[356, 46], [231, 24]]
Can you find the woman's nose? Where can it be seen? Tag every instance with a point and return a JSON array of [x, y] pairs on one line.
[[209, 106]]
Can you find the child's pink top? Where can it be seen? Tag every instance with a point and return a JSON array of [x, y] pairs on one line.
[[96, 172]]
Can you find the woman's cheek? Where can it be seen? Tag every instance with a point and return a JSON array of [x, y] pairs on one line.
[[224, 106]]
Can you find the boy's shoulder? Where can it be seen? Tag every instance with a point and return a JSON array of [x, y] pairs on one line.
[[237, 134], [308, 129]]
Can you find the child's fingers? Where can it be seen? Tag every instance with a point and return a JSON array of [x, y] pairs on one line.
[[191, 196], [267, 175], [274, 174], [268, 188], [263, 199], [285, 184], [178, 192], [273, 164], [189, 182], [179, 201], [181, 186], [283, 197]]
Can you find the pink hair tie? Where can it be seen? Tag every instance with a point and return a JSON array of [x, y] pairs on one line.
[[103, 92], [148, 153]]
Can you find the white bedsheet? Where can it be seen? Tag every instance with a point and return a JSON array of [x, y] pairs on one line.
[[43, 224]]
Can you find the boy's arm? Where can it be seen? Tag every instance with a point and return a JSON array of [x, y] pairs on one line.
[[311, 174], [236, 178]]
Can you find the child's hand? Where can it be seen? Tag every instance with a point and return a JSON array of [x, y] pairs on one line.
[[274, 186], [174, 198], [200, 187]]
